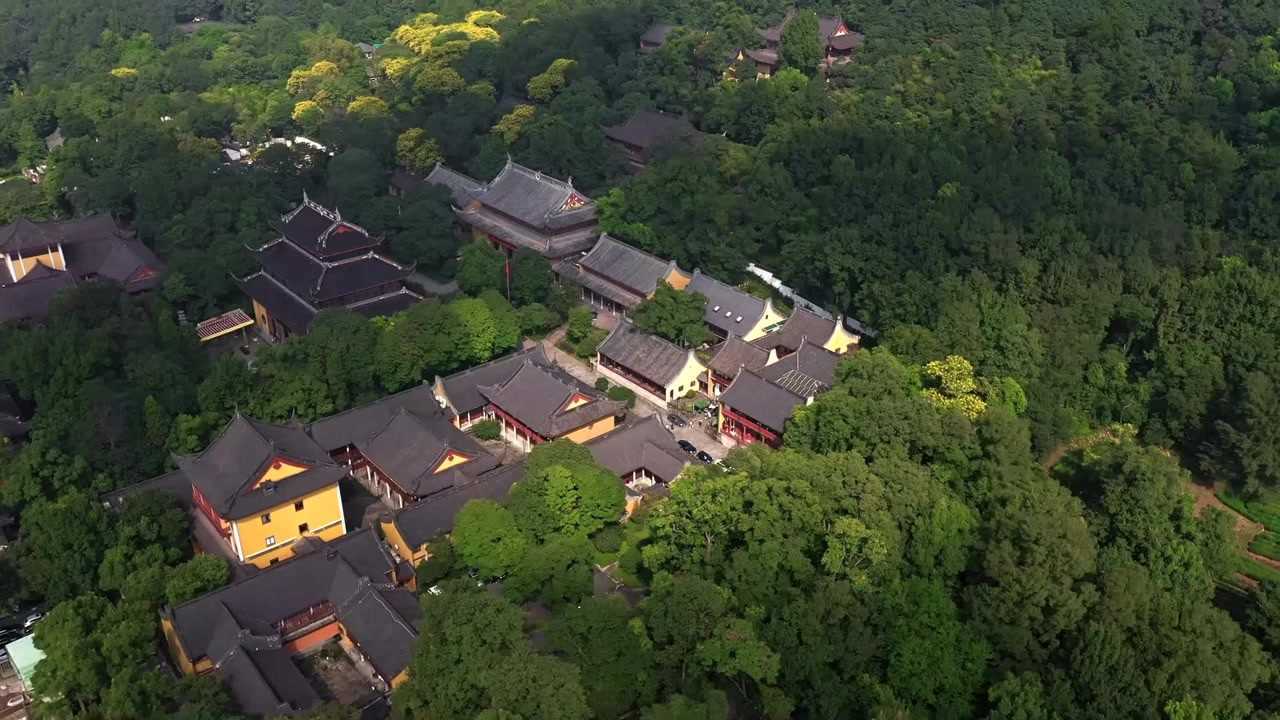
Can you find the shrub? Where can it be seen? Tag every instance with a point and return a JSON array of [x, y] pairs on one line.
[[586, 347], [602, 384], [487, 430], [439, 563], [1259, 511], [608, 540], [617, 392], [1267, 544]]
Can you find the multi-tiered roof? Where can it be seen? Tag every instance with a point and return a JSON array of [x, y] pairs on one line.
[[322, 261]]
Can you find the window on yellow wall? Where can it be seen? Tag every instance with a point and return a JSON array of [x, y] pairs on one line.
[[270, 541], [303, 528], [266, 518], [297, 505]]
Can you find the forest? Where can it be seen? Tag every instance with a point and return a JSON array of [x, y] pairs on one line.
[[1061, 217]]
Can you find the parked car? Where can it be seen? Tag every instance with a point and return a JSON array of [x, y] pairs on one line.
[[15, 700], [32, 619], [687, 446], [704, 456], [676, 420]]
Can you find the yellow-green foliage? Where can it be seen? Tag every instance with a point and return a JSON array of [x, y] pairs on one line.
[[303, 80], [439, 79], [307, 111], [367, 106], [544, 86], [514, 122], [953, 386], [420, 34], [397, 67], [124, 73]]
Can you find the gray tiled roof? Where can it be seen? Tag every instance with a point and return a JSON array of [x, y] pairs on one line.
[[23, 234], [317, 280], [633, 269], [768, 404], [538, 200], [410, 447], [462, 187], [657, 34], [569, 271], [646, 129], [32, 296], [323, 233], [122, 259], [433, 516], [734, 353], [646, 355], [536, 396], [389, 304], [237, 626], [802, 324], [728, 309], [550, 243], [360, 423], [283, 304], [225, 471], [806, 372], [640, 444], [462, 389]]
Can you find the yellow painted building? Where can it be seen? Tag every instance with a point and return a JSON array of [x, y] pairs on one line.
[[647, 364], [262, 487]]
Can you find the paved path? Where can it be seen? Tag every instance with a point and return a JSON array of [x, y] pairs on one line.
[[700, 431], [435, 287]]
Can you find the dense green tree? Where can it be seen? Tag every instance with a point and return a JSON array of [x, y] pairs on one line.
[[481, 268], [598, 634], [530, 278], [62, 546], [196, 577], [565, 492], [674, 315], [487, 538], [802, 42]]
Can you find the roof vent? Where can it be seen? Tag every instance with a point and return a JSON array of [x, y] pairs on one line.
[[269, 488]]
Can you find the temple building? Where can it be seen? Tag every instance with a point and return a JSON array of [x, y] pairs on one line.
[[754, 410], [459, 394], [831, 334], [616, 277], [731, 311], [319, 262], [42, 259], [641, 452], [539, 404], [409, 531], [810, 370], [727, 358], [648, 364], [263, 487], [655, 37], [462, 189], [837, 40], [345, 591], [647, 132], [522, 208]]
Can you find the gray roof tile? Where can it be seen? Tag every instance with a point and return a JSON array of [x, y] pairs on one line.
[[730, 310], [433, 516], [536, 396], [635, 270], [537, 200], [768, 404], [462, 389], [734, 353], [647, 355], [647, 129], [640, 444], [411, 446], [802, 324], [809, 370]]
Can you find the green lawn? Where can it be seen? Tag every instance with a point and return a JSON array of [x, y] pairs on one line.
[[1265, 510]]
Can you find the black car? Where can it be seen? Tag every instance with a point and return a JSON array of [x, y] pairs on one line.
[[687, 446], [677, 421], [704, 456]]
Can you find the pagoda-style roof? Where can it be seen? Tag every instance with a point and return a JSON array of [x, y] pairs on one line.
[[282, 302], [647, 129], [121, 258], [736, 353], [763, 401], [646, 355], [323, 233], [433, 516], [642, 444], [320, 281], [540, 201], [460, 392], [729, 310], [462, 187], [550, 402], [349, 427], [227, 472], [411, 449], [23, 235], [618, 271], [32, 296], [806, 372]]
